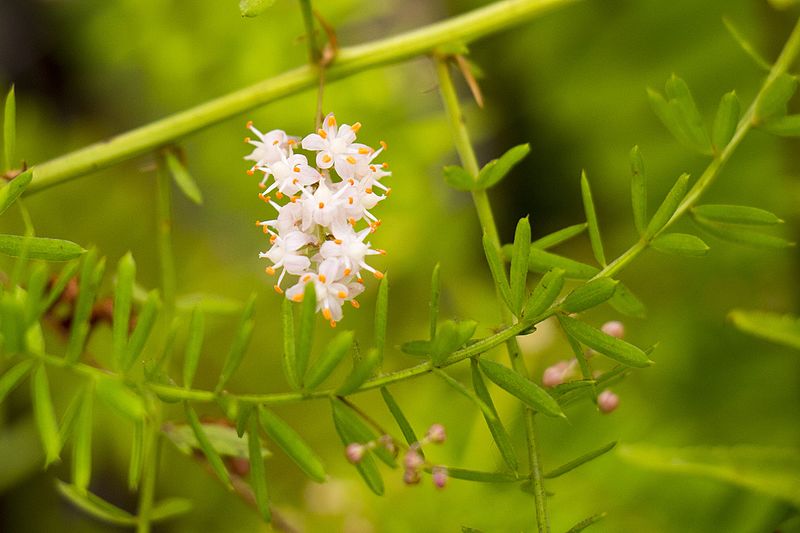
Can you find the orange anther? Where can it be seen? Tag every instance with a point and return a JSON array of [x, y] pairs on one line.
[[351, 221], [272, 238], [333, 323], [293, 199], [258, 222], [291, 142], [266, 230], [351, 181], [351, 159], [388, 191], [306, 278], [368, 190], [382, 252], [326, 159], [337, 241], [385, 165], [277, 289], [276, 142], [347, 271], [373, 168], [321, 205], [342, 295], [384, 145], [322, 278], [270, 271], [355, 127], [331, 120], [298, 297], [363, 150], [322, 133], [326, 313], [355, 304], [378, 274], [350, 200], [261, 185], [249, 124], [250, 171], [279, 195], [296, 168]]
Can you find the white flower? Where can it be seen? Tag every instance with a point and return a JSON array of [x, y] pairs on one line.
[[284, 253], [336, 148], [269, 147], [351, 251], [290, 174], [322, 207], [330, 292]]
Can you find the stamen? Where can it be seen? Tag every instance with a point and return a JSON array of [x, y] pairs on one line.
[[326, 158], [295, 181], [306, 278], [246, 140], [250, 171], [249, 124], [378, 274], [333, 323], [272, 238], [291, 142], [351, 159], [342, 295], [296, 168], [293, 199], [368, 190], [384, 145], [355, 304], [337, 241], [347, 271], [276, 142], [279, 195], [322, 278], [298, 297], [270, 271], [363, 150], [385, 165], [322, 205], [322, 133], [355, 127], [350, 200], [351, 221], [331, 121], [327, 314], [277, 289]]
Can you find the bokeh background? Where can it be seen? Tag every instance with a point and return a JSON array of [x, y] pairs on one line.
[[572, 84]]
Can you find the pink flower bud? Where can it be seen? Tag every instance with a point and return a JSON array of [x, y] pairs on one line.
[[615, 328], [436, 434], [411, 476], [413, 460], [556, 374], [439, 475], [607, 401], [388, 442], [355, 452]]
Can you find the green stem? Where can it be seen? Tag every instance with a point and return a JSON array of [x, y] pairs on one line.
[[164, 222], [788, 55], [481, 200], [465, 28], [311, 35], [150, 462]]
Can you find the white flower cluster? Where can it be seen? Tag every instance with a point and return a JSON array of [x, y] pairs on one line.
[[315, 233]]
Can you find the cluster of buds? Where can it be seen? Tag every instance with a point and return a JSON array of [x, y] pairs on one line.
[[323, 210], [355, 451]]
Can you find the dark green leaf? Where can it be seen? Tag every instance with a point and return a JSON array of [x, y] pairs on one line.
[[497, 269], [224, 439], [745, 45], [292, 444], [519, 264], [95, 506], [668, 206], [91, 272], [582, 460], [118, 396], [591, 220], [169, 508], [726, 121], [680, 244], [607, 345], [258, 475], [542, 261], [493, 422], [253, 8], [137, 456], [496, 169], [289, 359], [420, 348], [183, 179], [44, 415], [775, 97], [194, 344], [214, 460], [638, 189], [40, 248], [12, 322], [545, 293], [524, 389], [351, 430], [362, 371], [774, 327], [743, 236], [736, 214], [557, 237], [305, 331], [12, 378], [451, 336], [66, 274], [360, 432], [336, 350], [82, 445], [626, 302], [436, 287], [399, 417], [123, 299], [37, 282], [10, 130], [459, 179], [381, 315], [240, 342], [13, 189], [785, 126], [465, 392], [144, 326], [586, 522], [481, 477], [243, 415], [689, 117], [589, 295]]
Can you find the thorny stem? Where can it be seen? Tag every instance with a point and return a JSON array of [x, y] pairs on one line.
[[467, 27], [788, 55], [481, 200]]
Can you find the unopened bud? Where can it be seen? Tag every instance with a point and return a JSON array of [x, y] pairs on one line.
[[439, 475], [556, 374], [615, 328], [411, 476], [355, 452], [607, 401], [436, 434], [388, 442], [413, 460]]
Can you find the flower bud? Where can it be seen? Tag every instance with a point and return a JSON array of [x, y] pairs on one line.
[[615, 328], [439, 475], [607, 401], [355, 452], [411, 476], [436, 434], [556, 374], [413, 460], [388, 442]]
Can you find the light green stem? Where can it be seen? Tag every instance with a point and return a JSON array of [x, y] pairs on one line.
[[152, 445], [468, 27], [481, 200], [164, 222], [311, 35], [782, 64]]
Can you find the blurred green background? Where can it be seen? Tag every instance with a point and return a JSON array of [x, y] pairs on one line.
[[572, 84]]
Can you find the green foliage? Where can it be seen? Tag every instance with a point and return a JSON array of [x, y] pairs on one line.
[[638, 189], [399, 416], [458, 178], [497, 169], [775, 97], [334, 352], [183, 179], [626, 302], [258, 475], [240, 342], [519, 265], [560, 236], [305, 332], [10, 130], [95, 506], [545, 293], [680, 115], [292, 444], [39, 248], [726, 121], [774, 327], [542, 261], [207, 447], [363, 369], [352, 430], [194, 343], [591, 221], [254, 8], [589, 295], [616, 349], [580, 461], [498, 271], [680, 244], [493, 422], [13, 189], [745, 45], [450, 336], [668, 206], [736, 214], [45, 415], [381, 316], [527, 391]]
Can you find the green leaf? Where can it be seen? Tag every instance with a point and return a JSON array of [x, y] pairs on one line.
[[10, 129], [210, 304], [743, 236], [121, 398], [214, 460], [775, 97], [591, 220], [13, 189], [91, 274], [137, 456], [680, 244], [123, 299], [616, 349], [66, 274], [580, 461], [362, 371], [12, 325], [726, 121], [305, 331], [289, 359], [736, 214], [560, 236], [37, 282], [40, 248], [223, 438], [451, 336], [239, 346], [688, 115], [243, 414], [771, 471], [13, 377], [436, 287], [638, 189], [626, 302], [44, 415], [399, 417], [253, 8], [498, 271], [586, 522], [95, 506], [496, 169], [82, 445], [519, 264], [183, 179], [459, 179], [499, 433], [418, 348], [774, 327], [545, 293], [194, 344], [785, 126], [589, 295], [292, 444], [352, 430], [524, 389], [258, 475], [381, 315], [481, 477], [465, 392], [668, 206], [144, 326], [169, 508], [745, 45], [334, 352]]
